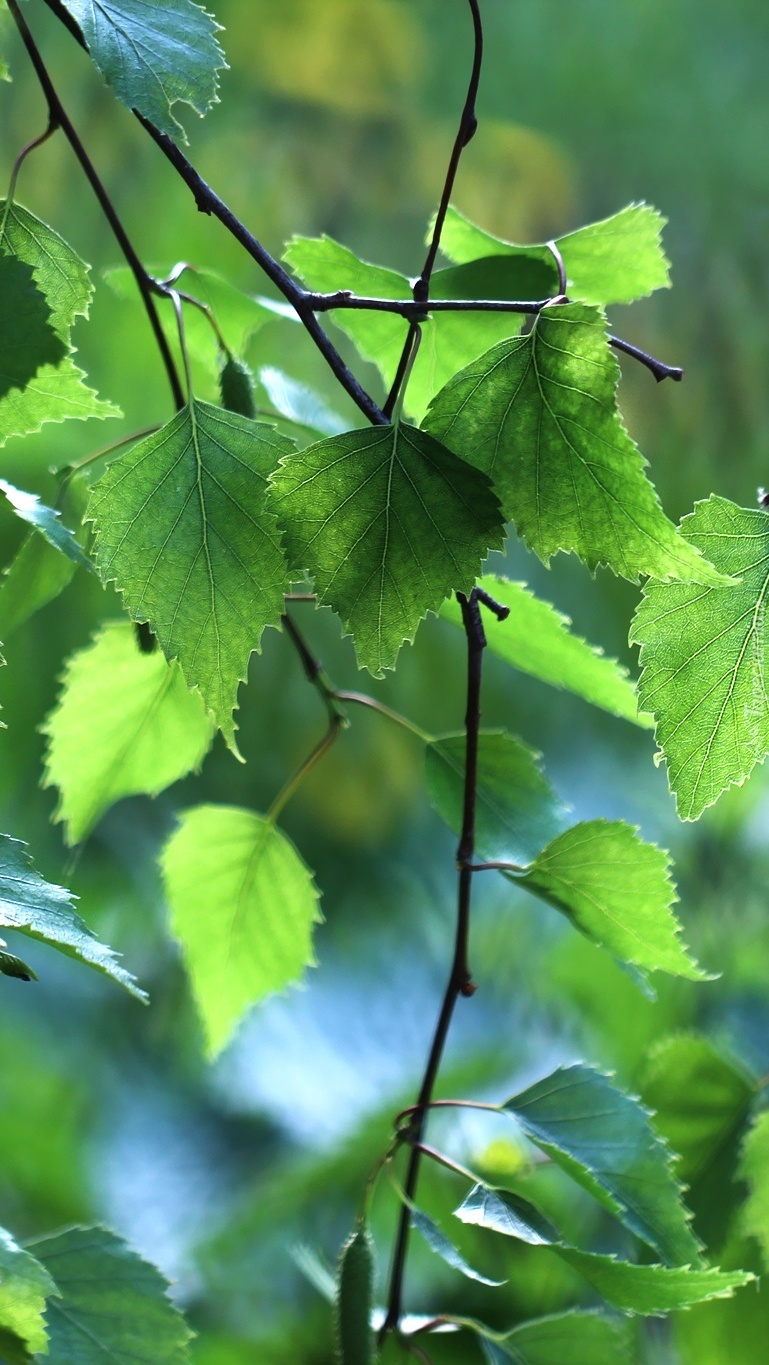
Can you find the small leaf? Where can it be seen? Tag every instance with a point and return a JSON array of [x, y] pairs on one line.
[[13, 966], [354, 1299], [388, 523], [182, 528], [617, 890], [501, 1211], [443, 1247], [603, 1139], [243, 906], [24, 1287], [754, 1170], [111, 1304], [153, 55], [538, 414], [44, 911], [536, 639], [300, 404], [38, 573], [47, 521], [27, 340], [124, 724], [517, 811], [703, 658], [237, 387]]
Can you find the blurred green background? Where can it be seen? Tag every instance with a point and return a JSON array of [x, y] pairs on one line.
[[338, 118]]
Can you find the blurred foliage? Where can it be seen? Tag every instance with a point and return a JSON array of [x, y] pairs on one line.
[[338, 118]]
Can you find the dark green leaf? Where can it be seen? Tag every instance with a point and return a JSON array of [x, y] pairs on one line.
[[13, 966], [754, 1170], [236, 386], [153, 55], [443, 1247], [47, 521], [603, 1139], [703, 658], [24, 1287], [517, 811], [354, 1299], [388, 523], [27, 340], [44, 911], [539, 415], [182, 528], [112, 1305], [243, 906], [536, 639], [617, 890]]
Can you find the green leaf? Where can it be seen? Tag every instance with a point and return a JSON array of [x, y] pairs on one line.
[[617, 890], [43, 911], [112, 1305], [236, 386], [182, 529], [701, 1099], [536, 639], [27, 340], [124, 724], [538, 414], [354, 1299], [300, 404], [449, 341], [388, 523], [24, 1287], [570, 1339], [517, 811], [616, 260], [10, 965], [57, 391], [38, 572], [12, 1348], [702, 655], [153, 55], [754, 1170], [645, 1289], [603, 1139], [47, 521], [243, 905], [443, 1247]]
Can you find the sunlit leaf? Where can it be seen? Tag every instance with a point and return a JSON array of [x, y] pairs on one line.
[[38, 572], [47, 521], [388, 523], [539, 415], [25, 1285], [603, 1139], [153, 55], [27, 339], [183, 530], [243, 906], [444, 1247], [124, 723], [517, 811], [703, 658], [300, 404], [617, 890], [112, 1306], [354, 1299], [44, 911], [536, 639]]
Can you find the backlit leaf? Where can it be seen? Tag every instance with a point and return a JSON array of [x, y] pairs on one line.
[[124, 723], [243, 906], [703, 658], [538, 414], [153, 55], [112, 1306], [27, 340], [616, 889], [576, 1338], [182, 528], [44, 911], [700, 1097], [24, 1287], [388, 523], [536, 639]]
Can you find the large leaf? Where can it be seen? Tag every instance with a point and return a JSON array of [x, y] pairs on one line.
[[449, 340], [153, 54], [703, 658], [645, 1289], [112, 1306], [568, 1339], [539, 415], [56, 392], [44, 911], [603, 1139], [125, 723], [616, 260], [617, 890], [754, 1169], [27, 339], [24, 1287], [536, 639], [243, 906], [701, 1098], [517, 811], [388, 523], [182, 528]]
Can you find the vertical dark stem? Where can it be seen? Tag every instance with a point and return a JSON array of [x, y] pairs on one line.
[[460, 981]]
